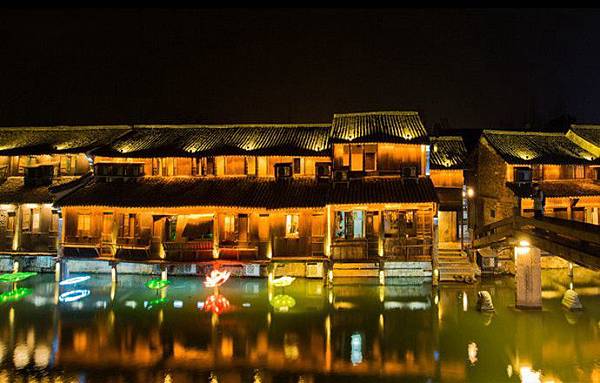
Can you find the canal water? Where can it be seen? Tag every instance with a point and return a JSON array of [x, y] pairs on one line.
[[306, 332]]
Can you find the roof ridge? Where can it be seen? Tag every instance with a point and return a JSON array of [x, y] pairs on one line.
[[389, 112], [229, 126], [523, 133], [446, 138], [65, 127], [585, 126]]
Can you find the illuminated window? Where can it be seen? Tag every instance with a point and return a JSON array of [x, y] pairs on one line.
[[10, 222], [251, 165], [349, 225], [229, 231], [358, 224], [579, 171], [391, 222], [84, 224], [54, 222], [291, 226], [297, 165], [235, 165], [35, 220], [356, 158], [65, 164], [26, 220]]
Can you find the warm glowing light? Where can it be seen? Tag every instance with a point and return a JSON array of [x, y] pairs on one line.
[[524, 243], [330, 276], [216, 303], [216, 278], [470, 192], [72, 296], [465, 301], [74, 280], [41, 356], [381, 277], [472, 352], [283, 281], [21, 356], [528, 375]]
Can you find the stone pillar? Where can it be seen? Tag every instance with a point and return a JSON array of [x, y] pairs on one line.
[[528, 278]]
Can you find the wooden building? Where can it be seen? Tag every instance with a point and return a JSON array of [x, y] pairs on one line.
[[447, 166], [35, 163], [352, 190], [508, 163]]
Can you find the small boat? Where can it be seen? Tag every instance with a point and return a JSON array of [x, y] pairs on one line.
[[16, 277], [74, 280], [74, 295], [216, 278], [15, 295], [283, 281], [157, 283]]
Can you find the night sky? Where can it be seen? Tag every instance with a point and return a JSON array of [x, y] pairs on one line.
[[470, 68]]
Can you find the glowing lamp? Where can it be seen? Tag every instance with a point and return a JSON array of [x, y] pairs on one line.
[[15, 295], [283, 281], [470, 192], [216, 278], [216, 303], [283, 303], [157, 284], [72, 296], [16, 277], [74, 280]]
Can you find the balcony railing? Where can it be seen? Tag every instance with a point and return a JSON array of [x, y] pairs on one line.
[[189, 251]]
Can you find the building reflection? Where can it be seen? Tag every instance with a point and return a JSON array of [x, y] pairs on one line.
[[344, 330]]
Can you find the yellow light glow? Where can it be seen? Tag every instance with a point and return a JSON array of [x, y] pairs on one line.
[[470, 192], [524, 243]]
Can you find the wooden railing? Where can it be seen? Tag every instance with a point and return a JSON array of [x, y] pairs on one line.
[[188, 251]]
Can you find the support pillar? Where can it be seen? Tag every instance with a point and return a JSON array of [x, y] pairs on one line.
[[163, 273], [15, 265], [113, 272], [528, 277]]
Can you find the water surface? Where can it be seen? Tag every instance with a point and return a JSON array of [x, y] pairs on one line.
[[247, 332]]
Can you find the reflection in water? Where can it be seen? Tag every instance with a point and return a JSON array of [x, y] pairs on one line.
[[402, 331]]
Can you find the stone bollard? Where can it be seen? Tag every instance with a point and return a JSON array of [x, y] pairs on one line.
[[571, 301], [484, 301]]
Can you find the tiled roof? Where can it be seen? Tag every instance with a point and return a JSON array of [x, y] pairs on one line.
[[537, 148], [13, 190], [56, 139], [400, 127], [447, 153], [590, 133], [562, 188], [247, 192], [206, 140]]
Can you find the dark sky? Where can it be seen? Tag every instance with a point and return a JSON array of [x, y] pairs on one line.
[[474, 68]]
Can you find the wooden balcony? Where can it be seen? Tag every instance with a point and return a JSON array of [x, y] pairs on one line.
[[189, 251], [81, 246]]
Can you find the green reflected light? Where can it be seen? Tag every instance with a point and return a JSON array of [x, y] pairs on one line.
[[15, 295], [16, 277], [157, 283]]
